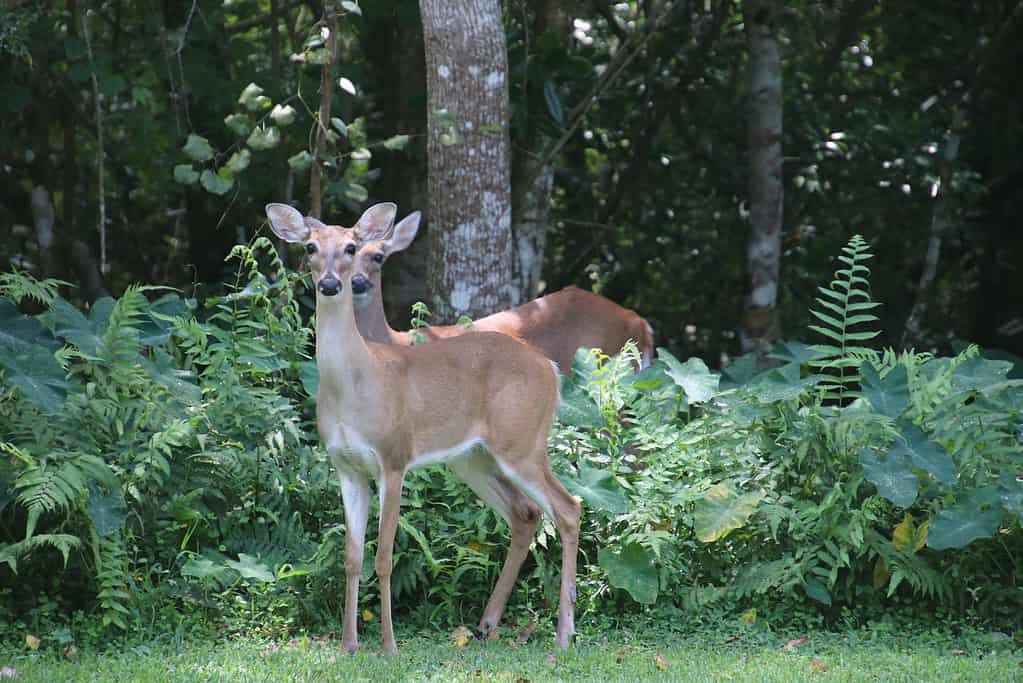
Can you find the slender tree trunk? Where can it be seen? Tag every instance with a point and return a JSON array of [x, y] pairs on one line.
[[326, 93], [470, 265], [759, 324], [532, 175], [395, 52]]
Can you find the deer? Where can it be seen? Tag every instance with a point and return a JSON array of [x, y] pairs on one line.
[[483, 404], [556, 324]]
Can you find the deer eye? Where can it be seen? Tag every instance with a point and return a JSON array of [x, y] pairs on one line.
[[378, 258], [350, 249], [310, 248]]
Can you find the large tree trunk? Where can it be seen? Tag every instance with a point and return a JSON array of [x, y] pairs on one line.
[[470, 263], [759, 325]]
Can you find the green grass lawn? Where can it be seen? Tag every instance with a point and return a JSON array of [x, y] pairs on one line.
[[852, 656]]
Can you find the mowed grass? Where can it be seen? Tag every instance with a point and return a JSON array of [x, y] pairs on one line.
[[855, 656]]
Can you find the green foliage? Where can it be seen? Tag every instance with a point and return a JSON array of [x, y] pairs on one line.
[[845, 304]]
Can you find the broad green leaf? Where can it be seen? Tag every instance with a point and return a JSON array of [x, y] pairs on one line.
[[264, 137], [978, 373], [301, 161], [239, 161], [598, 488], [817, 590], [216, 183], [959, 525], [251, 568], [163, 371], [161, 314], [648, 379], [253, 99], [202, 568], [185, 174], [722, 510], [888, 396], [309, 374], [783, 384], [632, 570], [577, 407], [699, 383], [794, 352], [198, 148], [239, 124], [353, 7], [928, 455], [892, 476], [85, 333], [740, 371], [397, 142], [36, 372], [108, 510]]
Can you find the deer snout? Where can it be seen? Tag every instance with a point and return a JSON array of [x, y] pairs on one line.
[[329, 285], [361, 284]]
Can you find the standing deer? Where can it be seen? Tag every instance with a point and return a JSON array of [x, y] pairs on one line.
[[482, 403], [556, 324]]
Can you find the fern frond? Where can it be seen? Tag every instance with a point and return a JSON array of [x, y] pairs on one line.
[[17, 285], [845, 304], [13, 552]]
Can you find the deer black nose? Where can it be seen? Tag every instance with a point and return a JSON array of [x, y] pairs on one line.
[[361, 284], [329, 286]]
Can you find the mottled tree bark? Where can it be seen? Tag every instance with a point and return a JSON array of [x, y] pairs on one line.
[[469, 179], [759, 324]]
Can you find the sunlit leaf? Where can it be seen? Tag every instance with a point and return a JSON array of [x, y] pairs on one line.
[[251, 568], [185, 174], [695, 378], [264, 137], [301, 161], [216, 183], [283, 115], [253, 99], [892, 476], [722, 510]]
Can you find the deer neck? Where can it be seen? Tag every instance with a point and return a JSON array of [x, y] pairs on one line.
[[342, 355], [370, 318]]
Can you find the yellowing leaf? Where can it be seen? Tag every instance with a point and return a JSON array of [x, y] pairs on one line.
[[749, 616], [921, 535], [661, 662], [367, 616], [32, 642], [902, 534]]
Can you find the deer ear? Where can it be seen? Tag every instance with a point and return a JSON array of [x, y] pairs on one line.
[[313, 223], [404, 232], [287, 223], [376, 221]]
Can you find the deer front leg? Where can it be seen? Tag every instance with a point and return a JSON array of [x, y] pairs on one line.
[[390, 504], [355, 495]]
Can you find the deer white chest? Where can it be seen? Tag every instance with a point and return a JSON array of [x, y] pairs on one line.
[[351, 451]]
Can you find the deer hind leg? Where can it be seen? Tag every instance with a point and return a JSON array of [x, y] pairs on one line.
[[480, 472], [533, 477]]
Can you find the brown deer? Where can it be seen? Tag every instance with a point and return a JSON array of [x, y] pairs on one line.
[[481, 403], [556, 324]]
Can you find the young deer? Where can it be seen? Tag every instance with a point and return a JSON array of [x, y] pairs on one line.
[[556, 324], [482, 403]]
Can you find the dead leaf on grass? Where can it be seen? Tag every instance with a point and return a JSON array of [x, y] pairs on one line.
[[32, 642], [550, 658], [661, 662], [795, 642], [461, 636], [817, 666]]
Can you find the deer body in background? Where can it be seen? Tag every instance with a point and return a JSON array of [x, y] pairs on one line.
[[556, 324], [482, 403]]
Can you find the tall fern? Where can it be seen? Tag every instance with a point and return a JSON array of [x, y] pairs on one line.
[[844, 314]]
